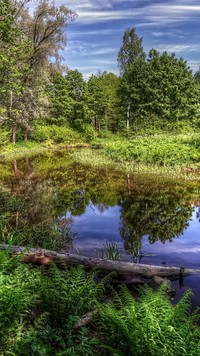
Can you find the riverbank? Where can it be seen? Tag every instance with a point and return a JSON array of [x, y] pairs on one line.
[[170, 155], [175, 156]]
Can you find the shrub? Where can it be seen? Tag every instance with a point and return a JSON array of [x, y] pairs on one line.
[[41, 133], [58, 134], [4, 136]]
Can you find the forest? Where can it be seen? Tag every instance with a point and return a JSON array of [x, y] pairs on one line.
[[68, 143]]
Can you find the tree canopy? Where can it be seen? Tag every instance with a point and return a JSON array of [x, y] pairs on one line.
[[35, 86]]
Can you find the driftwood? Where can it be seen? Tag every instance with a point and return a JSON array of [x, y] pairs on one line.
[[136, 273]]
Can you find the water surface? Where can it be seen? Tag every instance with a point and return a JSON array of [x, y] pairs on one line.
[[150, 219]]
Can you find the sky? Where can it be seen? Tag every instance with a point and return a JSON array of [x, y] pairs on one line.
[[95, 37]]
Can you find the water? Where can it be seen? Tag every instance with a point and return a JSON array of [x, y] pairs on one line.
[[150, 219]]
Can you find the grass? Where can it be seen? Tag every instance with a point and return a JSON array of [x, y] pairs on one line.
[[21, 150], [169, 155], [163, 150], [110, 250]]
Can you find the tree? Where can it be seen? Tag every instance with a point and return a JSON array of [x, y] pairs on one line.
[[130, 52], [110, 85], [6, 21], [78, 94], [40, 39], [13, 59], [162, 89], [46, 31], [133, 92], [172, 94], [197, 76], [104, 101], [60, 101], [97, 101]]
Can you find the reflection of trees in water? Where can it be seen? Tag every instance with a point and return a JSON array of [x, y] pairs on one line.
[[161, 215], [34, 192], [51, 186]]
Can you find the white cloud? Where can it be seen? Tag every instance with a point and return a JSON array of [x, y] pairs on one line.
[[105, 32], [194, 65], [179, 48], [85, 49], [97, 11], [167, 34]]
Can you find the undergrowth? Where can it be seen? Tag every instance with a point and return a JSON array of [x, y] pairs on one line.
[[158, 149], [150, 327], [40, 308]]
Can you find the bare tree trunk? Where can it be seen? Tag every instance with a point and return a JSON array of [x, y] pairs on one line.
[[128, 116], [15, 169], [26, 134], [14, 126], [14, 132]]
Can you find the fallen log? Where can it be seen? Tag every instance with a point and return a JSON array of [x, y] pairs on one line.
[[134, 271]]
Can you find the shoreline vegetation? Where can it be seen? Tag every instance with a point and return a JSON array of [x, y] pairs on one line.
[[175, 156]]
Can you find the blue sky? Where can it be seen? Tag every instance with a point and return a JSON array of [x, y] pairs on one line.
[[95, 37]]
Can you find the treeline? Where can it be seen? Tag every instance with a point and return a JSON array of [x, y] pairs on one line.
[[38, 96]]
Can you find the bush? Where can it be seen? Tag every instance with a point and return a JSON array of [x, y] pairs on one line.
[[63, 134], [58, 134], [41, 133], [4, 136], [88, 132]]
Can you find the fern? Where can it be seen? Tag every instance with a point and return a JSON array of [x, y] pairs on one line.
[[149, 327]]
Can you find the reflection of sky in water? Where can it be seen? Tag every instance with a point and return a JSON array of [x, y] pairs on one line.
[[184, 250], [96, 225]]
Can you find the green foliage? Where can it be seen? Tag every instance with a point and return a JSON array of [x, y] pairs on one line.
[[149, 327], [6, 21], [104, 101], [159, 149], [130, 51], [163, 87], [38, 309], [57, 134], [65, 135], [88, 132]]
